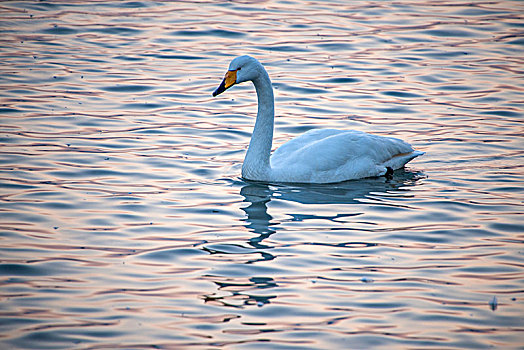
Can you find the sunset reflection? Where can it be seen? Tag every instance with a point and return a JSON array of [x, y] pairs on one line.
[[125, 221]]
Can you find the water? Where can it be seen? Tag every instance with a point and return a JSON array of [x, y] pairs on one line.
[[125, 224]]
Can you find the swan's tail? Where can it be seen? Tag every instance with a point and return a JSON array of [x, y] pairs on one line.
[[401, 159]]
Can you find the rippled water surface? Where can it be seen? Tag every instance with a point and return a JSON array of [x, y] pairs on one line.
[[124, 220]]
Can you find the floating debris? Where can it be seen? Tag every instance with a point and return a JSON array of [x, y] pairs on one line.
[[493, 303]]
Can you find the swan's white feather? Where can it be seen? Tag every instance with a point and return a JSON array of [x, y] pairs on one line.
[[317, 156], [330, 155]]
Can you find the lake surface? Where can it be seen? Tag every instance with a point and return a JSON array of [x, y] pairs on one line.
[[124, 220]]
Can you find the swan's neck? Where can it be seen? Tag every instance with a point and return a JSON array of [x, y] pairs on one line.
[[256, 164]]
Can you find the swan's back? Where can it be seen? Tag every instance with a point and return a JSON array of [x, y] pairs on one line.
[[329, 155]]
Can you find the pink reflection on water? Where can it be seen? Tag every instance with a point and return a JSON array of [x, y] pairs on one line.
[[124, 221]]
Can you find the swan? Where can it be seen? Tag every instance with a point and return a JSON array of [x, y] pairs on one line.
[[318, 155]]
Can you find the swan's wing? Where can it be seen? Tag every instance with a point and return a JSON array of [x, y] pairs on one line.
[[336, 155], [307, 138]]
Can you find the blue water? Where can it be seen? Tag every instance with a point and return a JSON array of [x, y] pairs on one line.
[[124, 220]]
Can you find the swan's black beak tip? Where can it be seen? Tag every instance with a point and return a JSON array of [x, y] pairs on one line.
[[220, 89]]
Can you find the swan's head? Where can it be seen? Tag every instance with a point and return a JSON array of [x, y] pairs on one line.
[[242, 68]]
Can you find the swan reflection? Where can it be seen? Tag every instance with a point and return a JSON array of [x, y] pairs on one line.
[[259, 194], [240, 282]]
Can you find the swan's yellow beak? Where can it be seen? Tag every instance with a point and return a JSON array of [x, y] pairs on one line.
[[229, 80]]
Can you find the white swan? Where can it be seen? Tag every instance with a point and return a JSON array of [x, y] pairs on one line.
[[317, 156]]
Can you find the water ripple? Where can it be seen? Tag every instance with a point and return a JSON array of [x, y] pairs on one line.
[[121, 206]]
